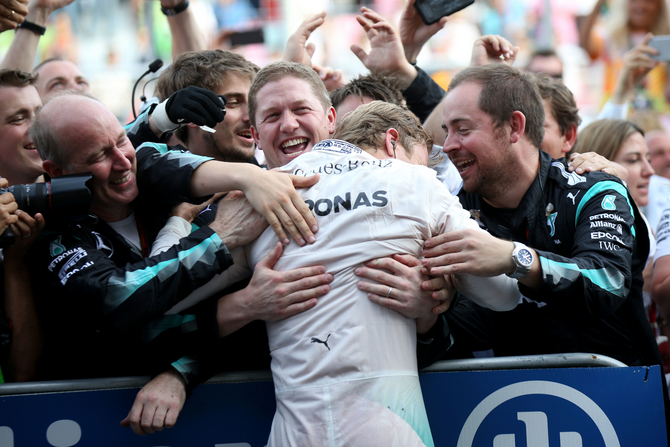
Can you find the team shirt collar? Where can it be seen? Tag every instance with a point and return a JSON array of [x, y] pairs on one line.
[[336, 147]]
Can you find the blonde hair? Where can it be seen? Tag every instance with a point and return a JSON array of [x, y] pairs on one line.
[[605, 137], [366, 127]]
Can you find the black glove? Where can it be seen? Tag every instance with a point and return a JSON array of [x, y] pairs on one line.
[[196, 105]]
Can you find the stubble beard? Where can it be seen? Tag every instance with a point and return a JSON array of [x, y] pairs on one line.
[[497, 176], [231, 154]]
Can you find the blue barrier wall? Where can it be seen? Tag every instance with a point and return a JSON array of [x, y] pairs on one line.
[[574, 407]]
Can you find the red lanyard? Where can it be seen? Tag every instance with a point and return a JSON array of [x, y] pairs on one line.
[[143, 237]]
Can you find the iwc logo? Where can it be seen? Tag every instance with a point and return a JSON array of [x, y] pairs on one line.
[[537, 424]]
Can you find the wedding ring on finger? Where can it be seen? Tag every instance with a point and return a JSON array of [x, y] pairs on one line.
[[389, 292]]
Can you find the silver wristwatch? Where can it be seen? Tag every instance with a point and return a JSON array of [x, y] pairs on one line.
[[523, 260]]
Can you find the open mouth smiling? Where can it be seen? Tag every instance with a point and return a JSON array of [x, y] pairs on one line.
[[121, 181], [294, 147], [464, 165]]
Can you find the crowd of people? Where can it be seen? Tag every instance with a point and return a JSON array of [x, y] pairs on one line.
[[342, 234]]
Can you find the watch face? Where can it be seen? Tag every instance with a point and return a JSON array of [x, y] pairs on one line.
[[525, 257]]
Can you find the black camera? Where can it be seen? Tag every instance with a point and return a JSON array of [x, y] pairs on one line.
[[63, 200]]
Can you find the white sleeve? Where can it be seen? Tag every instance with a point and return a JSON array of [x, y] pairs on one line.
[[614, 111], [175, 229], [236, 272], [446, 171], [663, 236], [498, 293]]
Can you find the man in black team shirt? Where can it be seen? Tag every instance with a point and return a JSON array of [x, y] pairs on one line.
[[582, 279]]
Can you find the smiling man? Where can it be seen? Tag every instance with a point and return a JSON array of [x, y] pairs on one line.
[[101, 283], [226, 74], [19, 164], [285, 121], [582, 279], [19, 102]]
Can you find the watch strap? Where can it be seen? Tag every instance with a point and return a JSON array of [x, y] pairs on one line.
[[34, 27], [520, 270]]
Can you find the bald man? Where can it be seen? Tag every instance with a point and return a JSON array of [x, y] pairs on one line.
[[99, 286]]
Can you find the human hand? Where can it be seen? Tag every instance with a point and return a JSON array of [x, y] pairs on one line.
[[297, 48], [274, 195], [468, 251], [590, 161], [237, 223], [26, 230], [637, 62], [400, 285], [12, 12], [158, 404], [272, 295], [386, 52], [333, 79], [414, 33], [493, 49], [8, 206], [189, 211]]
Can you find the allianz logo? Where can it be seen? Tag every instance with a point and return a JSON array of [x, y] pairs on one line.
[[536, 423]]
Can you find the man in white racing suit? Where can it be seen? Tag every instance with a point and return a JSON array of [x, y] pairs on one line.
[[345, 372]]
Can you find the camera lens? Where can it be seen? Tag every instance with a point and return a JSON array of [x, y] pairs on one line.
[[32, 198], [63, 199]]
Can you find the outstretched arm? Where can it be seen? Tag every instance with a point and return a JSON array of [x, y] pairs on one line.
[[271, 193], [186, 35], [586, 40], [22, 51], [158, 404], [593, 280]]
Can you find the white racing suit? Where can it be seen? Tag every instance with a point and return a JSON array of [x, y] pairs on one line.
[[345, 372]]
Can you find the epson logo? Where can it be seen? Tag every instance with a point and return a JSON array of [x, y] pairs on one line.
[[539, 429], [603, 235]]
